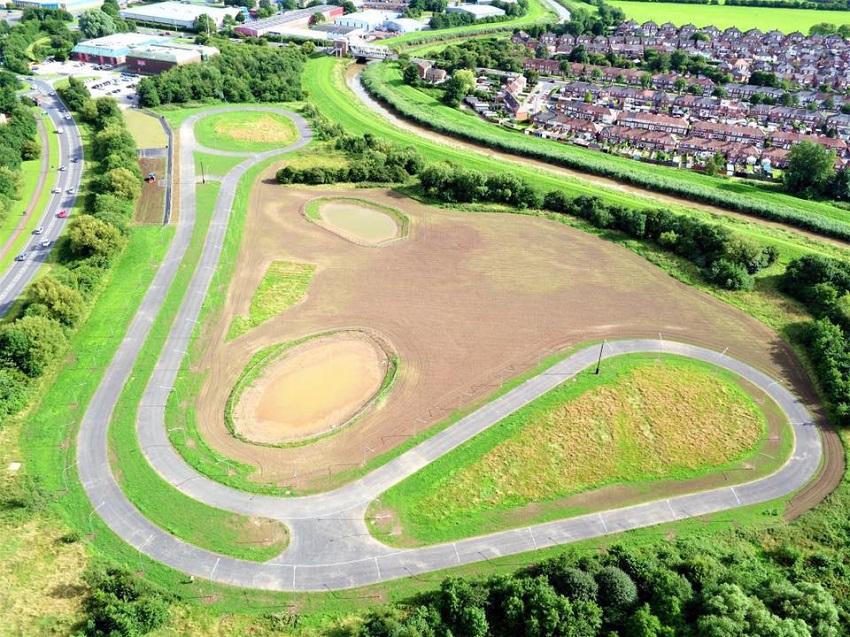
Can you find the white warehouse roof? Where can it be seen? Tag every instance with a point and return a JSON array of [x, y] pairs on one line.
[[176, 14], [477, 10]]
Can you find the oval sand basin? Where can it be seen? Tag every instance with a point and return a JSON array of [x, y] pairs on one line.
[[311, 389], [359, 222]]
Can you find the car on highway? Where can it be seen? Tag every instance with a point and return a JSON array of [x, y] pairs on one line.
[[75, 160], [71, 191], [58, 131], [39, 230], [67, 117], [61, 168], [56, 191], [62, 214], [46, 243], [21, 257]]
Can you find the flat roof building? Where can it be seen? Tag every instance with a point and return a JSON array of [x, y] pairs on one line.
[[177, 15], [368, 20], [112, 49], [283, 23], [156, 58], [403, 25], [477, 11]]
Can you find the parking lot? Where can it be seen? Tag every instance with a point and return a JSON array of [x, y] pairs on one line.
[[100, 81]]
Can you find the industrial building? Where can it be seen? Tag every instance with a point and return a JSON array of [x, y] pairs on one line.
[[368, 20], [403, 25], [177, 15], [477, 11], [71, 6], [112, 49], [284, 23], [156, 58]]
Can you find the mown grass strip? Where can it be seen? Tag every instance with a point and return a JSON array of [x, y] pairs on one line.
[[245, 131], [204, 526], [384, 82]]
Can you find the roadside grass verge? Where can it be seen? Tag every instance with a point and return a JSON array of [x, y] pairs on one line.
[[762, 17], [210, 528], [283, 285], [245, 131], [762, 200], [30, 171], [324, 81], [629, 434], [145, 129]]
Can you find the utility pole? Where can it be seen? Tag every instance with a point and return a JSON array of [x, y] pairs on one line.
[[599, 360]]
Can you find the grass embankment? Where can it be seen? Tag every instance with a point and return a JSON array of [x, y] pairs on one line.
[[642, 421], [219, 531], [30, 172], [145, 129], [245, 131], [324, 81], [384, 81], [283, 285], [721, 16], [536, 14]]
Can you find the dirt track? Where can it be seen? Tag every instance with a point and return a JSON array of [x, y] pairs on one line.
[[467, 300]]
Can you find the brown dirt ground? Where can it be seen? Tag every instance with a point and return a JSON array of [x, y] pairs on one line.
[[291, 400], [468, 301], [151, 205]]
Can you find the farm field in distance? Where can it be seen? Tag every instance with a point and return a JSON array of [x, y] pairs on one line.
[[721, 16]]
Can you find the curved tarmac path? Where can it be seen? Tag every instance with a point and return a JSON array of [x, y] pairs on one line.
[[331, 547]]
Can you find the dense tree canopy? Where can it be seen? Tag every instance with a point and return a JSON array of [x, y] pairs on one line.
[[243, 73]]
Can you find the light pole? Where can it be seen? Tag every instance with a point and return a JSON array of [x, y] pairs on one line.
[[599, 360]]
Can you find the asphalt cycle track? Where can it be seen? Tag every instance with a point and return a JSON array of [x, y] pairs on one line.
[[331, 547]]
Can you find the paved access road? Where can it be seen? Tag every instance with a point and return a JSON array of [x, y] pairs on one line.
[[20, 273], [330, 546]]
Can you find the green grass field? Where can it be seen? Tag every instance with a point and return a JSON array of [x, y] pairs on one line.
[[427, 108], [623, 427], [145, 129], [184, 517], [283, 285], [245, 131], [30, 171], [703, 15]]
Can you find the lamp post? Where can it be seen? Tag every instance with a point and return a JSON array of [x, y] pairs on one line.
[[599, 360]]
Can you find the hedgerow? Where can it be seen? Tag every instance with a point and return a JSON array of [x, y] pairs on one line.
[[603, 166]]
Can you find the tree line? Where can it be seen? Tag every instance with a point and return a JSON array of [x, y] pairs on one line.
[[697, 588], [18, 142], [370, 160], [54, 305], [822, 284], [240, 73]]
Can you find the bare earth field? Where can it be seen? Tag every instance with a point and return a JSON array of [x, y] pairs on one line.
[[468, 301], [312, 388]]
